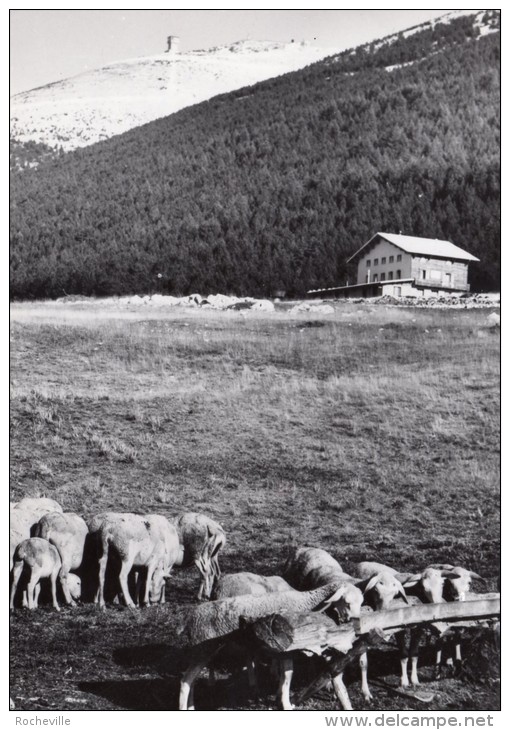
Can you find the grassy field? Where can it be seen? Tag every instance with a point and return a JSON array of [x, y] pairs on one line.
[[373, 433]]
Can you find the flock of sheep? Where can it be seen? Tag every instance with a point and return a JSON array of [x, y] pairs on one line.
[[139, 552]]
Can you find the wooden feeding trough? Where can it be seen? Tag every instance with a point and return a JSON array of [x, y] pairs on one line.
[[316, 634]]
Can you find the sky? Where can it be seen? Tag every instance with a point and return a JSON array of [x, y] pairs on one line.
[[49, 45]]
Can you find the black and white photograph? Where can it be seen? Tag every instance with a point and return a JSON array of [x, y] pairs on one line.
[[255, 416]]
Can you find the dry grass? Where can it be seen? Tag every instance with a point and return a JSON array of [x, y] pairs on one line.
[[373, 433]]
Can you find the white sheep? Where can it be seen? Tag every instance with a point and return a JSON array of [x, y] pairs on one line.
[[212, 625], [145, 541], [24, 515], [309, 568], [42, 560], [454, 589], [201, 539], [244, 584], [38, 505], [427, 586], [68, 532]]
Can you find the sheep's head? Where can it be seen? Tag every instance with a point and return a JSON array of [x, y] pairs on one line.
[[381, 589], [458, 584], [431, 581], [157, 585], [207, 563], [74, 586], [344, 603]]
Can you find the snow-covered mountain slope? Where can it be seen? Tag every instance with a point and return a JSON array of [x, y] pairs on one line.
[[99, 104]]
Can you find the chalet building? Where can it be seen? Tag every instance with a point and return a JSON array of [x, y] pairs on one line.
[[406, 266]]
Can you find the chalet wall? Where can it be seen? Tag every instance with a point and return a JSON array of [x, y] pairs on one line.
[[384, 249], [439, 272]]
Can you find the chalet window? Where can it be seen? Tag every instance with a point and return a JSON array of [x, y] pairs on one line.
[[368, 262], [383, 260], [399, 274], [390, 275], [375, 277], [383, 277], [399, 257], [424, 273], [390, 260], [376, 262]]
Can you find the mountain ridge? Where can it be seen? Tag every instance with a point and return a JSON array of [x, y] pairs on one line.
[[95, 105], [271, 187]]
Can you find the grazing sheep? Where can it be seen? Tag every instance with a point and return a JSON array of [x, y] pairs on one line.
[[306, 568], [201, 539], [454, 589], [42, 561], [212, 625], [24, 515], [144, 541], [427, 587], [19, 530], [68, 532], [38, 505], [243, 584], [309, 568]]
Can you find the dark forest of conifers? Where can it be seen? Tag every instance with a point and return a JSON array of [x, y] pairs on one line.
[[272, 187]]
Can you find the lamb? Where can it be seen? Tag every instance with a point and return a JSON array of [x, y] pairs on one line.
[[243, 584], [68, 532], [147, 541], [42, 561], [201, 539], [212, 625], [24, 515], [426, 586]]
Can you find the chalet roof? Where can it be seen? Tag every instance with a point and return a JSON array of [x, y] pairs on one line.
[[432, 247]]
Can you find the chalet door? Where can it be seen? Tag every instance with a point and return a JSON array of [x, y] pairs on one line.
[[448, 280]]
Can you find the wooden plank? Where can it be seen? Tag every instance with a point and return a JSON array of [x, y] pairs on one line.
[[452, 613], [309, 632], [337, 664]]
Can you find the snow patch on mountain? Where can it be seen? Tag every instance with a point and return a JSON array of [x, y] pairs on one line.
[[99, 104]]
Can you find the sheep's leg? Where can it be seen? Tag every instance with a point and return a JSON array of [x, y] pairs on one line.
[[286, 671], [363, 663], [252, 677], [341, 691], [64, 572], [53, 579], [413, 651], [125, 569], [437, 666], [17, 570], [31, 589], [186, 694], [37, 593], [151, 569], [103, 560], [401, 643]]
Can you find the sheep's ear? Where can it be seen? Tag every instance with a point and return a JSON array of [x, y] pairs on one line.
[[372, 582], [328, 602], [409, 580], [450, 574], [475, 575], [402, 593]]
